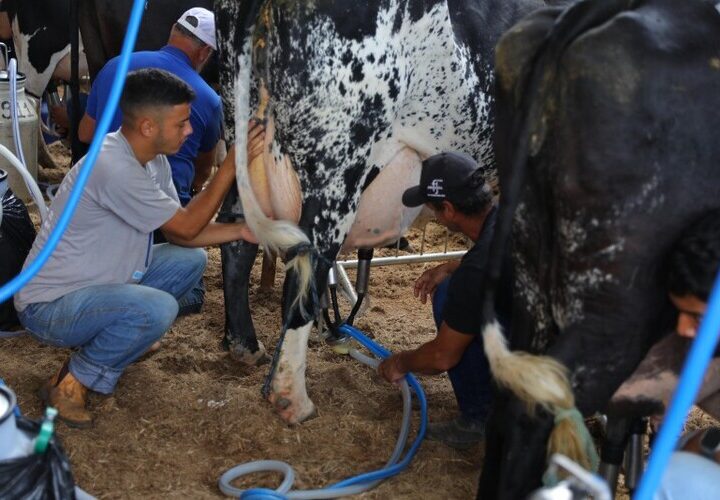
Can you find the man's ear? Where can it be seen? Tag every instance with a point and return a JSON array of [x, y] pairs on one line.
[[146, 126], [448, 209]]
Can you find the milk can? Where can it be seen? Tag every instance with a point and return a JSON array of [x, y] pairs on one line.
[[29, 124], [14, 443]]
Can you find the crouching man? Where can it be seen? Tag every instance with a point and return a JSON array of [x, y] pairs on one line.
[[107, 289], [453, 187]]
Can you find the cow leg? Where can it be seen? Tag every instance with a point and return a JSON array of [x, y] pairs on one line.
[[288, 391], [515, 448], [240, 339], [238, 258]]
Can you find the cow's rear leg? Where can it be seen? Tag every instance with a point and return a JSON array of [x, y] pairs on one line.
[[288, 393], [240, 339]]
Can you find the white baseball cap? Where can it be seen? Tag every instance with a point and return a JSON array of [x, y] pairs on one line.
[[201, 23]]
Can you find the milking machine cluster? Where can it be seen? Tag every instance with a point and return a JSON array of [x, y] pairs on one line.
[[341, 335], [334, 336]]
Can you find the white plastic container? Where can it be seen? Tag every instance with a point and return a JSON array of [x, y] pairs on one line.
[[14, 443], [29, 132]]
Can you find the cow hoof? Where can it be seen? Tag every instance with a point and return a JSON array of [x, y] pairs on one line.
[[293, 413], [243, 355]]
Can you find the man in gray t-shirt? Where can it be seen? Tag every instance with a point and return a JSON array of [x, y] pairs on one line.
[[107, 289]]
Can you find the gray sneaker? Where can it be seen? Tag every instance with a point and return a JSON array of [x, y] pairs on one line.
[[459, 433]]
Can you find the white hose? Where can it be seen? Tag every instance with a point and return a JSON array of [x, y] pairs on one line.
[[3, 189], [21, 165], [29, 181], [278, 466]]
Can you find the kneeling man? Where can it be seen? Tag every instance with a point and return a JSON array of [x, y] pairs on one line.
[[107, 289]]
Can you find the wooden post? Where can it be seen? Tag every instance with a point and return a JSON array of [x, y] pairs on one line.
[[267, 276]]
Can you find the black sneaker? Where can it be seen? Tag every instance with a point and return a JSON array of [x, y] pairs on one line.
[[459, 433]]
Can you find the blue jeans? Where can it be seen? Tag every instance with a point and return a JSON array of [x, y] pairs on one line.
[[113, 325], [470, 378]]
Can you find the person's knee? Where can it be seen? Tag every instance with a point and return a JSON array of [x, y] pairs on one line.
[[161, 311], [198, 258]]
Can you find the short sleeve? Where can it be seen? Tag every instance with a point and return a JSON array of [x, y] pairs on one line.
[[166, 181], [92, 101], [135, 197], [213, 129], [462, 308]]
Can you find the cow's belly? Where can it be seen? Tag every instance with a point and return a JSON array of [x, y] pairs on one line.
[[381, 216], [38, 74]]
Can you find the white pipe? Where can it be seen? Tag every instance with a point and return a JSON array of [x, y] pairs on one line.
[[29, 181], [405, 259]]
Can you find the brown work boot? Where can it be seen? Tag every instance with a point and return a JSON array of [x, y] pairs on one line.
[[65, 393]]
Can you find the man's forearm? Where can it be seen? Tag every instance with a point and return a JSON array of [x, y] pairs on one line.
[[203, 166], [451, 266], [425, 360], [205, 205], [215, 233]]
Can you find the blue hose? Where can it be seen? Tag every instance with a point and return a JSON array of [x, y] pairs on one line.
[[368, 479], [381, 352], [690, 381], [12, 287]]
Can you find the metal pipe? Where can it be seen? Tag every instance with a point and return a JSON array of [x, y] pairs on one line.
[[345, 284], [75, 79], [405, 259]]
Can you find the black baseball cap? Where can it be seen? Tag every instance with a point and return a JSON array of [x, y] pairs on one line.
[[444, 176]]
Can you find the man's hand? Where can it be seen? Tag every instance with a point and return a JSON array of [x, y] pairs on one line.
[[430, 279], [189, 222], [255, 140], [390, 369]]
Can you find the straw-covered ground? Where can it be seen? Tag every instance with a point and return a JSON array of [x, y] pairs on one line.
[[185, 415]]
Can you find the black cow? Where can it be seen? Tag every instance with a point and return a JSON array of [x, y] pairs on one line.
[[354, 91], [103, 24], [606, 149]]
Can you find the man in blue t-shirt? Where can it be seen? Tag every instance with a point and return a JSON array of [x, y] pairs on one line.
[[191, 43]]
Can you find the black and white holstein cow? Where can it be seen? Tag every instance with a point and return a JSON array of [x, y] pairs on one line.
[[42, 41], [356, 95], [606, 146]]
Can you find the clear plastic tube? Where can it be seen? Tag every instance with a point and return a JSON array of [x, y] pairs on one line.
[[354, 485]]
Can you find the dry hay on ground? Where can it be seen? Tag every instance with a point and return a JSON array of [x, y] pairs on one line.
[[185, 415]]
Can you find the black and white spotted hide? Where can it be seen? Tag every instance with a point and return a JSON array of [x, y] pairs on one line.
[[352, 85]]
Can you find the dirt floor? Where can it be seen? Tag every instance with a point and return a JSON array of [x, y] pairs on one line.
[[182, 417]]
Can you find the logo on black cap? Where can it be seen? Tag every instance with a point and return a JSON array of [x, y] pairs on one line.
[[435, 189]]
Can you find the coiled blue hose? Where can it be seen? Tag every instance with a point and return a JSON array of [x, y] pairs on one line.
[[350, 486], [12, 287], [690, 381]]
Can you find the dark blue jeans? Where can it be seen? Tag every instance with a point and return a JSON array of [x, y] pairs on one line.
[[470, 378]]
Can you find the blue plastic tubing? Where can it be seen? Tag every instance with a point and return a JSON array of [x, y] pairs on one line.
[[384, 473], [690, 381], [11, 287], [383, 353]]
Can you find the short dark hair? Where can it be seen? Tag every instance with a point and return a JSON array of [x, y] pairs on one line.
[[152, 87], [474, 204], [694, 260], [188, 34]]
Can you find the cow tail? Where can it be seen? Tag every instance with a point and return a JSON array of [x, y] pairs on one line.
[[276, 236], [536, 380]]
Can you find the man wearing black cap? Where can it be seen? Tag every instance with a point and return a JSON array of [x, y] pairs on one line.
[[454, 188]]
